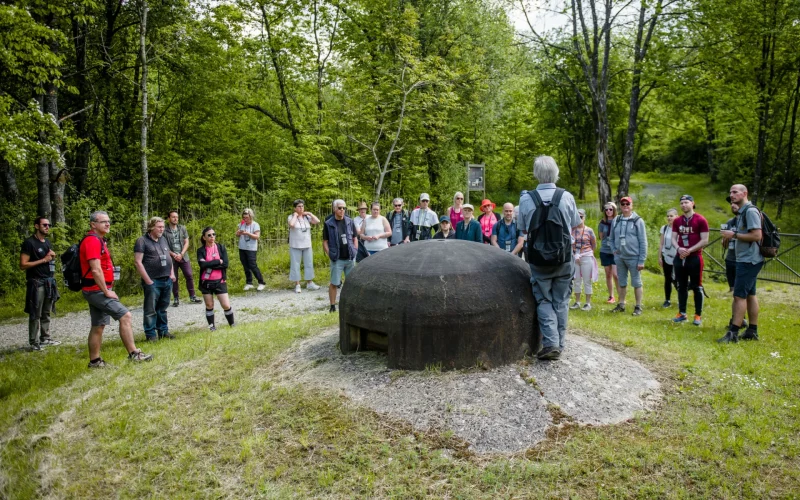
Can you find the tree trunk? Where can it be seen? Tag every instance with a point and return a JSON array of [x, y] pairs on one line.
[[766, 75], [710, 136], [630, 136], [788, 175], [43, 176], [601, 149], [80, 32], [143, 151], [57, 175]]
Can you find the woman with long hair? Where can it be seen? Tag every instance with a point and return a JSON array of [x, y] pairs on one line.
[[213, 260], [454, 212], [606, 253]]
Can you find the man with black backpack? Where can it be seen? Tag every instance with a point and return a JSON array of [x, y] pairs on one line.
[[546, 218], [98, 275], [747, 236]]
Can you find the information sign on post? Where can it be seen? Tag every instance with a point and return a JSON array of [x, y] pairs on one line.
[[476, 178]]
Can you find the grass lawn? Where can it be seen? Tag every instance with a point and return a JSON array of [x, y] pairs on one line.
[[206, 419]]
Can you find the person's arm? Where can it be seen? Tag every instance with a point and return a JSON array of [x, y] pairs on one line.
[[100, 279], [592, 239], [642, 244], [612, 238], [293, 220], [661, 248], [137, 261], [387, 229], [520, 245], [26, 263], [312, 218], [700, 244], [477, 232], [493, 238], [223, 256]]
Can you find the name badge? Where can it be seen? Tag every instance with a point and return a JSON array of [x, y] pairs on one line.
[[622, 242], [52, 266], [508, 245], [344, 239], [117, 272]]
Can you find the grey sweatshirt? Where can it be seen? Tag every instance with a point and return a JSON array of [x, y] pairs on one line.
[[634, 237]]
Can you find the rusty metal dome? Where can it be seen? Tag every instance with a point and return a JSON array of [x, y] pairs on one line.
[[444, 303]]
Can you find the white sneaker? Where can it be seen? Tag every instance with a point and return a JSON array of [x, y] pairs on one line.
[[576, 305], [297, 288], [248, 287], [261, 287], [586, 307], [312, 286]]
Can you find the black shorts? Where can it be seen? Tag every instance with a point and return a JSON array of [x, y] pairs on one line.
[[745, 281], [607, 259], [211, 287]]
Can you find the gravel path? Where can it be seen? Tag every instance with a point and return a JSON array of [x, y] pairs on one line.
[[73, 328]]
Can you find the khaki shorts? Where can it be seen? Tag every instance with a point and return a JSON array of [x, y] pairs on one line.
[[102, 308]]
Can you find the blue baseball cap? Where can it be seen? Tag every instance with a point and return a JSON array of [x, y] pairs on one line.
[[444, 218]]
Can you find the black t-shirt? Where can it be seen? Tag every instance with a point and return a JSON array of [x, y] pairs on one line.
[[341, 228], [36, 250], [155, 256]]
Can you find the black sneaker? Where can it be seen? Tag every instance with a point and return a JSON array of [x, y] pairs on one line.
[[666, 304], [100, 363], [212, 328], [619, 309], [333, 308], [152, 339], [137, 356], [637, 310], [749, 335], [50, 342], [166, 336], [175, 303], [730, 337], [549, 354], [36, 347], [195, 300]]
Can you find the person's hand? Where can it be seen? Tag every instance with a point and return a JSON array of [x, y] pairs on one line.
[[111, 294], [578, 260], [172, 277], [727, 234], [406, 240], [50, 256], [148, 282], [639, 267], [683, 252], [308, 214], [239, 232], [178, 257], [660, 262]]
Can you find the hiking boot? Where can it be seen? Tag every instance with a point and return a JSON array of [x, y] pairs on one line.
[[549, 354], [680, 318], [312, 286], [637, 310], [333, 308], [586, 307], [619, 309], [697, 320], [576, 305], [49, 342], [137, 356], [666, 304], [195, 300], [261, 286], [212, 328], [100, 363], [175, 303], [152, 339], [297, 288], [749, 335], [248, 287], [36, 347], [611, 300], [167, 336], [730, 337]]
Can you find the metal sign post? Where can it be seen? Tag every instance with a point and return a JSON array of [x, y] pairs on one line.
[[476, 178]]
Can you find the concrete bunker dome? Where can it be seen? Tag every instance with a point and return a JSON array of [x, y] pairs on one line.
[[452, 303]]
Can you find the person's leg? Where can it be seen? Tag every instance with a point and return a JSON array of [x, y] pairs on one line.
[[95, 339], [225, 302], [638, 293], [208, 300], [560, 292], [295, 255], [667, 282], [636, 282], [176, 284], [730, 274], [308, 264], [696, 282], [622, 275], [245, 260], [186, 268], [587, 268], [162, 304], [610, 281], [616, 277], [149, 311], [34, 317], [546, 313], [126, 332], [251, 255], [336, 280], [752, 310], [682, 278]]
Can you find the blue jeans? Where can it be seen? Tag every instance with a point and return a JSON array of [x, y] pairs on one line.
[[552, 288], [156, 302]]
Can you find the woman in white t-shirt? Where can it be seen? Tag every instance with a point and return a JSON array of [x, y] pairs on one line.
[[375, 231], [666, 254], [300, 223]]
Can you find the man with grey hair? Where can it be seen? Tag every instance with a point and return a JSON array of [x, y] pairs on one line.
[[551, 280], [99, 274], [340, 242], [154, 264], [424, 221], [400, 223]]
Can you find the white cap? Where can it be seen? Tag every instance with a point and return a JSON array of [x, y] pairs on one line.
[[424, 196]]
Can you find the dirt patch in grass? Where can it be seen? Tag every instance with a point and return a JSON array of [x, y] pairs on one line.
[[507, 409]]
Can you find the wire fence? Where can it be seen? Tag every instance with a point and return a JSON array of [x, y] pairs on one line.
[[784, 268]]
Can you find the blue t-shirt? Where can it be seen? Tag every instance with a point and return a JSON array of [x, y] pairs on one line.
[[506, 234]]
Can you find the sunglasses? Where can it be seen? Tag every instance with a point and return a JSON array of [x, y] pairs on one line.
[[625, 204], [103, 222], [607, 209], [459, 198], [210, 235], [398, 205], [340, 208], [44, 225], [582, 216]]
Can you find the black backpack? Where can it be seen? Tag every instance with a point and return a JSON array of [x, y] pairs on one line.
[[71, 264], [770, 237], [549, 240]]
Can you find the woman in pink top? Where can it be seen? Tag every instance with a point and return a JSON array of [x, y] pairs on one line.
[[583, 246], [487, 220], [213, 260], [455, 211]]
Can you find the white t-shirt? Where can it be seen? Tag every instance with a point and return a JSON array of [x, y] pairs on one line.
[[374, 227], [246, 242], [357, 220], [300, 236]]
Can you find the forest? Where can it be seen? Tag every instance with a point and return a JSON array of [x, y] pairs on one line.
[[142, 106]]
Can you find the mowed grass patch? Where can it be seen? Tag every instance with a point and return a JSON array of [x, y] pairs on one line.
[[206, 419]]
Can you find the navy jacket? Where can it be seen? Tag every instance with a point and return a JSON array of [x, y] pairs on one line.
[[333, 238]]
